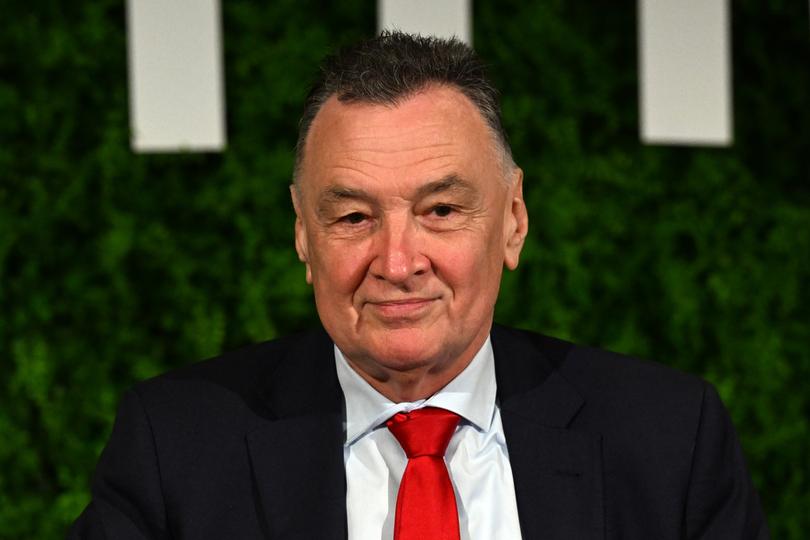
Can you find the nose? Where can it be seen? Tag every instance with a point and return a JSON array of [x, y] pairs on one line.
[[399, 252]]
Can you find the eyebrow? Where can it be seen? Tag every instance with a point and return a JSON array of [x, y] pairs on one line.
[[451, 183], [336, 194], [342, 193]]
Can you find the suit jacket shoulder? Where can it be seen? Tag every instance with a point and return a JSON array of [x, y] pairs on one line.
[[257, 376], [239, 446], [652, 448]]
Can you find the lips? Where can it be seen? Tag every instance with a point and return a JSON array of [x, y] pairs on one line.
[[406, 308]]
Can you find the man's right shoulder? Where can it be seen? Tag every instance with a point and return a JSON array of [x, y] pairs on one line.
[[246, 375]]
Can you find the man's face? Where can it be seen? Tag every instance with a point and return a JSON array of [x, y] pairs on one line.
[[406, 216]]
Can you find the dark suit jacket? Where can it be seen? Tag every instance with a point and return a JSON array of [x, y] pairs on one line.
[[250, 445]]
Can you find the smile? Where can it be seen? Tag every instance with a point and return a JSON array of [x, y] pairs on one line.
[[402, 309]]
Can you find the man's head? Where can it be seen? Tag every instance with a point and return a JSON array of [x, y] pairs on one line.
[[408, 206], [393, 66]]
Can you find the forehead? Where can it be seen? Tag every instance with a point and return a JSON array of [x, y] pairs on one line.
[[439, 125]]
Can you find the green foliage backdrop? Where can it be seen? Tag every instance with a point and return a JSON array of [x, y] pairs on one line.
[[115, 266]]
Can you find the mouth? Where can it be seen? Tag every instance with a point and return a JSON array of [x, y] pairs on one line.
[[405, 308]]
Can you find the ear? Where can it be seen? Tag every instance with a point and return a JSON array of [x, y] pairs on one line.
[[517, 222], [301, 245]]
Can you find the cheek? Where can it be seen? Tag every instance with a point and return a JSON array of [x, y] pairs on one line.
[[468, 267], [338, 269]]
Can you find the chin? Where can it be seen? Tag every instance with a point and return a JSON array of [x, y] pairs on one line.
[[403, 359], [404, 350]]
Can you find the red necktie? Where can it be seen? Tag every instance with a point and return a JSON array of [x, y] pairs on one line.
[[426, 505]]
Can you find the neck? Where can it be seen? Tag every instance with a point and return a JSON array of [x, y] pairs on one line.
[[417, 381], [411, 385]]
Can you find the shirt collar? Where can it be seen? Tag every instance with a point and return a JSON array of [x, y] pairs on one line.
[[471, 395]]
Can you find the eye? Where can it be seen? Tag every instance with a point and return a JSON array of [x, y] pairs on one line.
[[354, 218], [442, 210]]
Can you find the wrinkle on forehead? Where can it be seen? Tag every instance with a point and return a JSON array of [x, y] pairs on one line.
[[404, 148], [408, 160], [364, 148]]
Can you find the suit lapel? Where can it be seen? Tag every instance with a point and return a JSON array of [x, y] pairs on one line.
[[557, 471], [297, 459]]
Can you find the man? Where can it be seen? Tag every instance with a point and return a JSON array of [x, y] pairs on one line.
[[408, 206]]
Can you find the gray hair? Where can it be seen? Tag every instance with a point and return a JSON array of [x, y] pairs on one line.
[[393, 66]]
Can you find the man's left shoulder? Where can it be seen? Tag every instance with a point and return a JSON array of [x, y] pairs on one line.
[[617, 387]]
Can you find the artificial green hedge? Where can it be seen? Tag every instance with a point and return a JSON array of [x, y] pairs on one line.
[[115, 266]]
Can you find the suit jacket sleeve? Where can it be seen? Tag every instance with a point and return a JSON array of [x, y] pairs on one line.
[[127, 501], [722, 502]]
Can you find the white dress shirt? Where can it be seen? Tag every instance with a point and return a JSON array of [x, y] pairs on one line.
[[476, 457]]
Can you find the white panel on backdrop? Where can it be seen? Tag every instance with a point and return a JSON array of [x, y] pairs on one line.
[[685, 72], [176, 96], [442, 18]]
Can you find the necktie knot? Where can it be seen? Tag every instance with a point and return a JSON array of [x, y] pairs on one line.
[[424, 432]]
